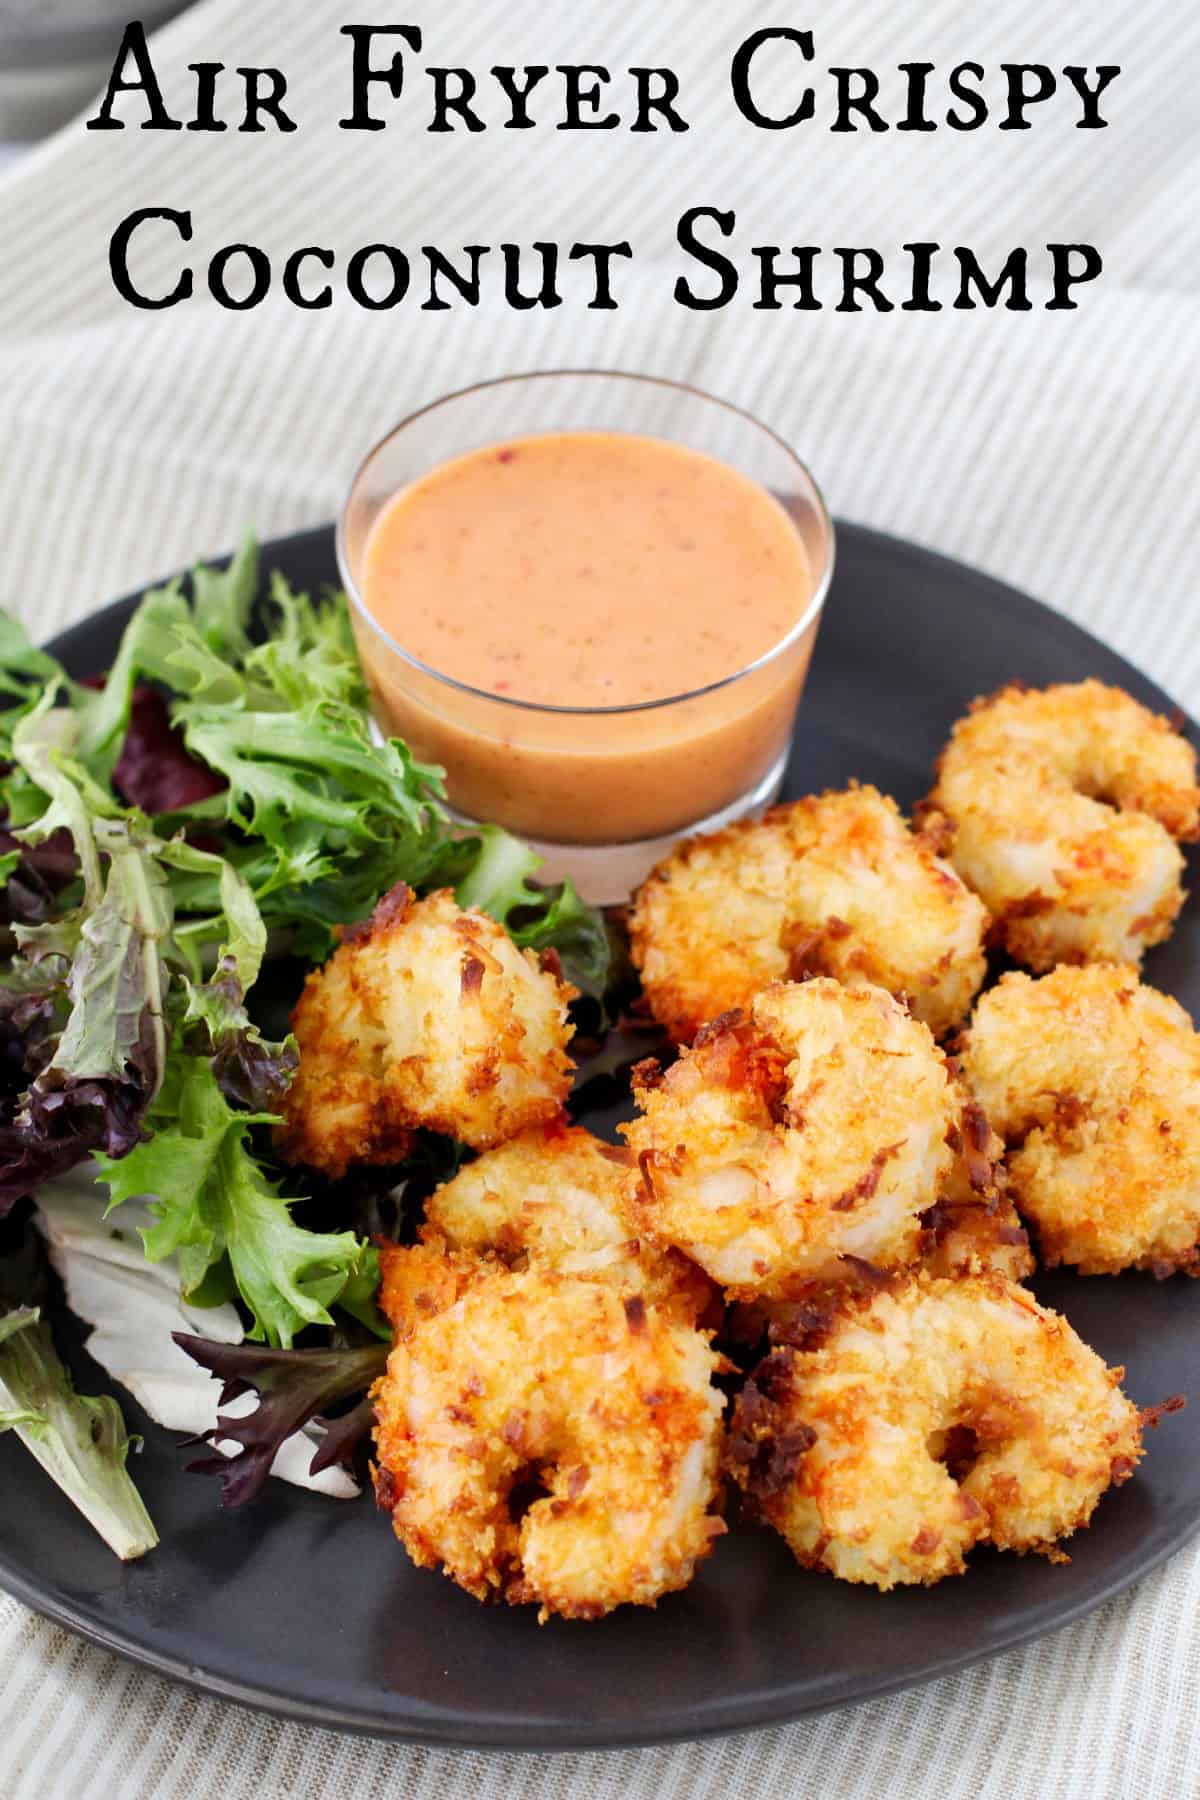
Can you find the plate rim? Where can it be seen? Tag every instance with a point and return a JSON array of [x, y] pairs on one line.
[[722, 1719]]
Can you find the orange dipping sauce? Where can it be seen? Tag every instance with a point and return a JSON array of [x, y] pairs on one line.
[[588, 568], [632, 579]]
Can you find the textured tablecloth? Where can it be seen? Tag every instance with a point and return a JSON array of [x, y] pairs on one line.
[[1059, 450]]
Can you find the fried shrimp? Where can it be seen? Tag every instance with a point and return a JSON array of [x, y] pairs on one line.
[[425, 1016], [553, 1198], [600, 1406], [924, 1419], [1094, 1080], [1063, 807], [816, 1129], [835, 884]]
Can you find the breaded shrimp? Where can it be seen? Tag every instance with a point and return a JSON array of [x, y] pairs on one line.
[[814, 1130], [425, 1016], [924, 1419], [603, 1403], [1094, 1080], [1063, 807], [835, 884], [552, 1198]]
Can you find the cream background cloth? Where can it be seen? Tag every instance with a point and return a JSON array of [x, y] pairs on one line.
[[1058, 450]]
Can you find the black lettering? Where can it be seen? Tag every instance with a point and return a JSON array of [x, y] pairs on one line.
[[1020, 97], [362, 74], [260, 276], [356, 272], [771, 279], [922, 267], [662, 102], [291, 279], [711, 259], [1105, 73], [118, 258], [868, 283], [848, 102], [739, 76], [602, 255], [1064, 280], [134, 45], [446, 102], [206, 97], [974, 100], [547, 295], [466, 285], [579, 97], [1015, 271], [261, 98], [915, 119], [519, 119]]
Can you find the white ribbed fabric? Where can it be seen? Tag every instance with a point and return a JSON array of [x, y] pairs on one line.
[[1058, 450]]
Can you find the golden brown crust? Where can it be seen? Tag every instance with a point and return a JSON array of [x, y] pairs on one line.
[[834, 884], [819, 1128], [917, 1420], [1064, 806], [424, 1016], [1093, 1079], [599, 1408]]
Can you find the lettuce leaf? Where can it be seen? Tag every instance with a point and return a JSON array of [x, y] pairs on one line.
[[79, 1440], [293, 1387], [212, 1199]]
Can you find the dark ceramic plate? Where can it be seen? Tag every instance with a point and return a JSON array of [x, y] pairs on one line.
[[306, 1606]]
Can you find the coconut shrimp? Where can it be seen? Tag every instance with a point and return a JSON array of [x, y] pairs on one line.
[[553, 1198], [1064, 805], [1094, 1080], [835, 884], [424, 1016], [815, 1129], [598, 1405], [926, 1418]]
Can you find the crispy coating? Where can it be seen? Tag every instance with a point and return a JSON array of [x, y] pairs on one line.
[[427, 1016], [926, 1418], [601, 1404], [975, 1238], [1064, 804], [1094, 1081], [835, 884], [816, 1129], [553, 1198]]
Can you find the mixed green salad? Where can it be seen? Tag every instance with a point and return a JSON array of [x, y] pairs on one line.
[[212, 805]]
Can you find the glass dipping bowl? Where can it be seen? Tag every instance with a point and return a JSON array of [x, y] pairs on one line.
[[602, 792]]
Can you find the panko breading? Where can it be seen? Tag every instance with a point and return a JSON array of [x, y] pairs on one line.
[[835, 884], [601, 1405], [1064, 805], [1094, 1080], [427, 1016], [816, 1129], [976, 1238], [553, 1198], [924, 1419]]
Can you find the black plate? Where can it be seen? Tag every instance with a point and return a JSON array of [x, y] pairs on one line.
[[305, 1606]]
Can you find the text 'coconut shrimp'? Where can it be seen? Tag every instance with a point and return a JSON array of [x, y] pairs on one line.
[[1063, 807], [547, 1439], [924, 1419], [425, 1016], [1094, 1080], [553, 1198], [817, 1128], [834, 884]]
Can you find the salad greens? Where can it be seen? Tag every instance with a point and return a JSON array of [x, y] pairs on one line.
[[216, 798], [79, 1441]]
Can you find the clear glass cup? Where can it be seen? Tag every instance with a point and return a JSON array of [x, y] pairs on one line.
[[601, 791]]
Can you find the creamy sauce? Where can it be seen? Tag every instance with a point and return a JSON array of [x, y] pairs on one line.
[[586, 569], [589, 570]]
